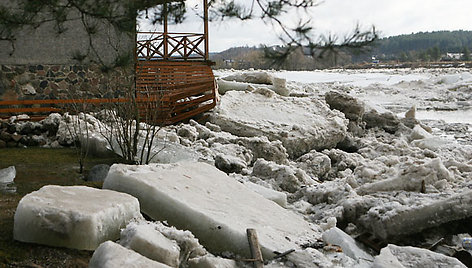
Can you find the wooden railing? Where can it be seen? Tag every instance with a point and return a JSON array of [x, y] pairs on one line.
[[171, 46]]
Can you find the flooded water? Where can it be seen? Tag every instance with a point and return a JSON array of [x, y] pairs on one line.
[[458, 116]]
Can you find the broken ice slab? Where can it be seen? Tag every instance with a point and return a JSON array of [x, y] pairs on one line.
[[73, 216], [419, 218], [111, 255], [147, 241], [393, 256], [7, 175], [336, 236], [215, 208], [301, 124]]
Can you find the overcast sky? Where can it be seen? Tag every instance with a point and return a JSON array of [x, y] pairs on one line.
[[390, 17]]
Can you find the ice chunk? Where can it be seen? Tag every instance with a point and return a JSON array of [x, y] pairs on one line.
[[214, 207], [112, 255], [225, 86], [315, 164], [211, 262], [419, 133], [412, 177], [393, 256], [419, 218], [431, 143], [147, 241], [73, 216], [352, 108], [251, 77], [287, 178], [301, 124], [7, 175], [273, 195], [337, 237]]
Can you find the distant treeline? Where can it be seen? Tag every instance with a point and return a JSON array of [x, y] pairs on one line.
[[417, 47]]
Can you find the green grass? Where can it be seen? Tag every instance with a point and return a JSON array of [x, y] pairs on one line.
[[35, 168]]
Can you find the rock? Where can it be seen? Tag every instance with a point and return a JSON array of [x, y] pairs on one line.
[[287, 178], [352, 108], [73, 216], [301, 124], [28, 89], [211, 262], [98, 172], [7, 175], [394, 256], [214, 207], [51, 123], [336, 236], [16, 137], [5, 136], [405, 221], [3, 144], [112, 255], [149, 242]]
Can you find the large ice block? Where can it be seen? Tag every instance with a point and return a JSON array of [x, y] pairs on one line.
[[215, 208], [73, 216]]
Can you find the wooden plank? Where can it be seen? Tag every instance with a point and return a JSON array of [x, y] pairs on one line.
[[29, 110]]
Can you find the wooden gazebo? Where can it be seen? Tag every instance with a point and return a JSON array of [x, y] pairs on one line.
[[175, 69], [173, 79]]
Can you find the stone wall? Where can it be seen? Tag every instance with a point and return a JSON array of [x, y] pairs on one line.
[[39, 81]]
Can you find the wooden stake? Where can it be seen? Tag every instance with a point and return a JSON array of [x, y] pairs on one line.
[[255, 248]]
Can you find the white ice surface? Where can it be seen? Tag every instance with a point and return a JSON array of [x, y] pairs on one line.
[[73, 216], [113, 255], [273, 195], [215, 208]]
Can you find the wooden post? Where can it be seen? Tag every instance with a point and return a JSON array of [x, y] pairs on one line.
[[166, 46], [205, 28], [255, 248]]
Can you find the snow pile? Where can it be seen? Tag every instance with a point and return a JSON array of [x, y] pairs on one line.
[[73, 216]]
